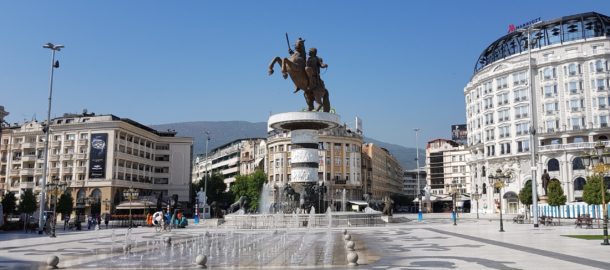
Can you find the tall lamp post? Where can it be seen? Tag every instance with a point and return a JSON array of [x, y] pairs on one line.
[[54, 64], [599, 160], [476, 196], [454, 190], [420, 215], [56, 187], [130, 194], [498, 181], [205, 183]]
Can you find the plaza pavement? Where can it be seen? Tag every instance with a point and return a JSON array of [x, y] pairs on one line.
[[434, 243]]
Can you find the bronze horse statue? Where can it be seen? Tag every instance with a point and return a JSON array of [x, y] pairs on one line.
[[295, 67]]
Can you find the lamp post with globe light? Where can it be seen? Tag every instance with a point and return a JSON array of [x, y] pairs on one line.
[[598, 162], [498, 181]]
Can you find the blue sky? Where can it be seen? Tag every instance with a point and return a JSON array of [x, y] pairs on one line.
[[397, 65]]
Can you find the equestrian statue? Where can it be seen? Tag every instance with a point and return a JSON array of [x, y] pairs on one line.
[[305, 74]]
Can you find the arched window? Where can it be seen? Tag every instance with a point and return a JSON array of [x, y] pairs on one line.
[[577, 164], [483, 171], [96, 194], [553, 165], [528, 182], [602, 138], [579, 183], [484, 188]]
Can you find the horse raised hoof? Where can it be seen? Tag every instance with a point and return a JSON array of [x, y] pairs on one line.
[[270, 72], [285, 75]]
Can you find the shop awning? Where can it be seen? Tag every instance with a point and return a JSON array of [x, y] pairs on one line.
[[138, 204]]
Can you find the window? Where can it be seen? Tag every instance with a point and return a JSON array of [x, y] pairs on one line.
[[521, 111], [504, 131], [337, 161], [487, 87], [602, 102], [491, 150], [551, 125], [577, 164], [489, 134], [572, 69], [574, 87], [522, 128], [520, 95], [551, 107], [553, 165], [600, 66], [577, 123], [600, 84], [488, 103], [489, 118], [550, 90], [523, 146], [502, 99], [576, 105], [503, 115], [502, 83], [548, 73], [504, 148], [520, 78], [603, 121]]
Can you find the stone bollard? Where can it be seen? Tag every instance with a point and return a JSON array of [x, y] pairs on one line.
[[168, 241], [52, 262], [350, 245], [347, 237], [201, 260], [352, 258]]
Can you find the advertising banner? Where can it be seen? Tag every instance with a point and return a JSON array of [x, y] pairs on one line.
[[97, 155], [459, 133]]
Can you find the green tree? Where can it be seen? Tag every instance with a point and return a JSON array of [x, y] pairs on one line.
[[65, 205], [592, 193], [525, 195], [250, 186], [27, 205], [9, 203], [216, 191], [555, 193]]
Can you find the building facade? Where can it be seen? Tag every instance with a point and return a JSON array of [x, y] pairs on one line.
[[410, 181], [97, 157], [239, 157], [340, 167], [447, 168], [564, 97], [386, 173]]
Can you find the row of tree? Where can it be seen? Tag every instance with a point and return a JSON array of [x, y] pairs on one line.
[[28, 205], [245, 185], [592, 193]]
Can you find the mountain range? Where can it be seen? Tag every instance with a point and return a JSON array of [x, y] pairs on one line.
[[222, 132]]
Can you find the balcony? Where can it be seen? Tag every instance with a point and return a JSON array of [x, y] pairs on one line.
[[26, 185], [82, 142], [29, 145], [29, 158], [81, 156], [39, 144], [66, 156], [15, 172], [54, 157], [55, 143], [27, 171], [68, 143], [54, 170], [581, 146], [38, 171], [81, 169], [16, 146], [67, 170], [3, 147]]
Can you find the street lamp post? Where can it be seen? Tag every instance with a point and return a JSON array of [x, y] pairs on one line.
[[54, 64], [499, 181], [600, 159], [476, 196], [454, 190], [130, 193], [56, 186], [205, 183], [420, 215]]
